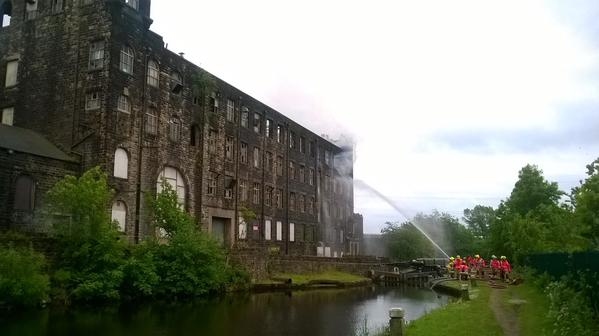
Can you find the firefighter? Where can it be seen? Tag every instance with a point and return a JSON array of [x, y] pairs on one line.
[[505, 268], [450, 266], [479, 264], [495, 266]]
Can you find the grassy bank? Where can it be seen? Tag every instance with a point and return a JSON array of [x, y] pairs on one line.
[[489, 312], [329, 276]]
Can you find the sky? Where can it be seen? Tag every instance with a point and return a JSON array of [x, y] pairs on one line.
[[446, 100]]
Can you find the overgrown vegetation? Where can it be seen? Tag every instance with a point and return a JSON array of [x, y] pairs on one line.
[[94, 263], [23, 281]]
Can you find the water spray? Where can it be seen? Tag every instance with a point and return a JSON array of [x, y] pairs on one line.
[[364, 185]]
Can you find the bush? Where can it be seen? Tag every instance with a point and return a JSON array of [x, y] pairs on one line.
[[22, 278], [91, 262], [570, 311]]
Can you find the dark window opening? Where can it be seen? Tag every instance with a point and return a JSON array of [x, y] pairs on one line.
[[24, 193], [195, 135]]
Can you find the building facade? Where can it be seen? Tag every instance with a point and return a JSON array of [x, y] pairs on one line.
[[91, 78]]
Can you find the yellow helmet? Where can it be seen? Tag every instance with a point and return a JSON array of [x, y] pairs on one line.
[[476, 256], [503, 257], [494, 257], [458, 256], [451, 258]]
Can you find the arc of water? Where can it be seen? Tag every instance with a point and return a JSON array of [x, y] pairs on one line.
[[362, 184]]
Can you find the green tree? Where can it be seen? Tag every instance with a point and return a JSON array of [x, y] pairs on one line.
[[447, 232], [586, 201], [91, 252], [479, 219], [23, 280], [405, 242]]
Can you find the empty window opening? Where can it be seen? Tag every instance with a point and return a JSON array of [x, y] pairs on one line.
[[8, 115], [121, 163], [92, 100], [229, 148], [243, 156], [57, 6], [24, 193], [195, 135], [176, 83], [119, 215], [212, 183], [256, 193], [230, 110], [123, 104], [212, 138], [244, 116], [6, 13]]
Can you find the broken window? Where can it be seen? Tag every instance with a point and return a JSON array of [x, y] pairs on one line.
[[8, 115], [6, 13], [123, 104], [279, 199], [310, 205], [212, 183], [257, 123], [230, 110], [291, 170], [12, 68], [151, 122], [256, 193], [302, 203], [243, 153], [212, 137], [291, 140], [153, 77], [57, 6], [302, 174], [229, 184], [291, 201], [31, 9], [176, 83], [229, 148], [243, 190], [121, 163], [268, 128], [92, 100], [311, 176], [244, 116], [24, 193], [268, 196], [127, 59], [256, 157], [174, 132], [268, 162], [279, 165], [96, 55], [302, 144]]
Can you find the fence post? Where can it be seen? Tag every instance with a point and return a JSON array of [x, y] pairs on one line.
[[396, 322]]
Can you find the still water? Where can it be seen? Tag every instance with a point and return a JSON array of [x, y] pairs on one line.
[[312, 313]]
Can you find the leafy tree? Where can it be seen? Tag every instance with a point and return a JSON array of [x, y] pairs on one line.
[[447, 232], [23, 281], [91, 252], [586, 200], [479, 219], [531, 191], [405, 242]]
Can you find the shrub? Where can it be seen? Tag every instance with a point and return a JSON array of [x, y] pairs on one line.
[[570, 310], [23, 281]]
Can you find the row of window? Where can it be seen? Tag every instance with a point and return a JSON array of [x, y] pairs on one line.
[[273, 230]]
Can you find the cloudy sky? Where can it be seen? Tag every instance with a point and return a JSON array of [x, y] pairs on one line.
[[446, 100]]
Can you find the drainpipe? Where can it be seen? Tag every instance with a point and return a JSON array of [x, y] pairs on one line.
[[140, 150], [287, 187]]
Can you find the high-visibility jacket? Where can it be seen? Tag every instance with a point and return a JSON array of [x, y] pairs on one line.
[[495, 264], [480, 263], [458, 263], [505, 266]]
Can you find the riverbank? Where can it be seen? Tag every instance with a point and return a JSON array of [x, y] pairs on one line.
[[328, 279], [491, 310]]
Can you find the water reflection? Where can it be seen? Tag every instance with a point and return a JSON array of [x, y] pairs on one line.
[[323, 312]]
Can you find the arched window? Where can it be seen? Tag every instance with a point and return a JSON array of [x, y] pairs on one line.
[[6, 13], [127, 59], [24, 193], [119, 214], [153, 77], [151, 122], [121, 163], [175, 179]]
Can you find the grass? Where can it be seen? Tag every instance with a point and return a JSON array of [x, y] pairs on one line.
[[329, 276], [532, 316], [472, 317]]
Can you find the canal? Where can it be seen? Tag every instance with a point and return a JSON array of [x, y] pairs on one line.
[[317, 312]]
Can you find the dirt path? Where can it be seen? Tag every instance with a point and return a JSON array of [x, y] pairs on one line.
[[505, 315]]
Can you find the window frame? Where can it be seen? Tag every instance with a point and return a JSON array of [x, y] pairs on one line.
[[127, 59]]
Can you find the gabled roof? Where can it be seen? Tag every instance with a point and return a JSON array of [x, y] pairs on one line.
[[27, 141]]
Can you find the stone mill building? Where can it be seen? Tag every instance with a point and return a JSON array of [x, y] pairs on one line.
[[86, 83]]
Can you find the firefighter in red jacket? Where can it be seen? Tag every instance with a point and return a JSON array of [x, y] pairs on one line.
[[506, 268], [495, 266], [479, 265]]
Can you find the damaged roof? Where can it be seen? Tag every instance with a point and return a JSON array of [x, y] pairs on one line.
[[27, 141]]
